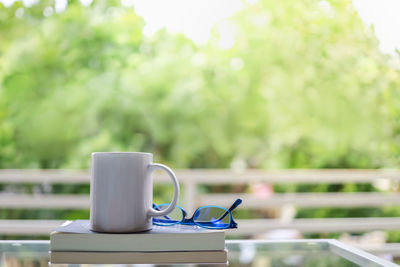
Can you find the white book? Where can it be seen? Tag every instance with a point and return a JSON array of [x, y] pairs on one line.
[[77, 236], [204, 256]]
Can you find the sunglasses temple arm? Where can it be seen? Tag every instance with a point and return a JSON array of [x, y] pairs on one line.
[[234, 205], [157, 208]]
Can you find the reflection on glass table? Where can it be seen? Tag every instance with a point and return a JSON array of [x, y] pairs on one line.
[[324, 252]]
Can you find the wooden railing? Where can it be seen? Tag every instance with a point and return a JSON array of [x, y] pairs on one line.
[[192, 198]]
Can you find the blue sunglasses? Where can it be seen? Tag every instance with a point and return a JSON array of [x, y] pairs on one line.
[[211, 217]]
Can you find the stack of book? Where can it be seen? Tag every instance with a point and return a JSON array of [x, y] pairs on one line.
[[75, 243]]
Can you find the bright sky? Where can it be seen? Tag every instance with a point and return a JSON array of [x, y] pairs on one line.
[[195, 18], [384, 15]]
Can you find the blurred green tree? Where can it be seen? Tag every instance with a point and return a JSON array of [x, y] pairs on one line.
[[280, 84]]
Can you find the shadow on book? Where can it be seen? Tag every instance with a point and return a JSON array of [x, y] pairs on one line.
[[175, 257], [75, 243]]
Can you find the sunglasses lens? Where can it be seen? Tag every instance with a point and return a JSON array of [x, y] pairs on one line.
[[172, 218], [212, 217]]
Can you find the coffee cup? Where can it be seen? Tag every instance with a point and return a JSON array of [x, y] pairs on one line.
[[121, 192]]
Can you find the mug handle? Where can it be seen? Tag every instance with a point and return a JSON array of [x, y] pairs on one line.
[[156, 166]]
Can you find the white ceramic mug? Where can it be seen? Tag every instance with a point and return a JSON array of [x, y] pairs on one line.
[[121, 192]]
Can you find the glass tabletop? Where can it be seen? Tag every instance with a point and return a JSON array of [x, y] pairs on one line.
[[257, 253]]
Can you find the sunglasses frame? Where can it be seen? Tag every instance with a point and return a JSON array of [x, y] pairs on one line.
[[191, 220]]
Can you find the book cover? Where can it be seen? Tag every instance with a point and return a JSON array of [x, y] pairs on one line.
[[138, 257], [77, 236]]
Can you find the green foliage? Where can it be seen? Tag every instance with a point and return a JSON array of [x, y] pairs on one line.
[[393, 236], [304, 85]]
